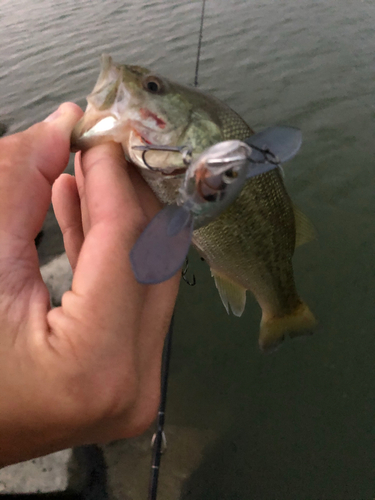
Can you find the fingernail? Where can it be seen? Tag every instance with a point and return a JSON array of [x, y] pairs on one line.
[[54, 115]]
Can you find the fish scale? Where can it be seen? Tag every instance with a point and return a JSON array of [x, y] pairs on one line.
[[253, 241], [234, 127]]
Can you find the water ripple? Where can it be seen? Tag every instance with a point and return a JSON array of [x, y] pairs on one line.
[[307, 62]]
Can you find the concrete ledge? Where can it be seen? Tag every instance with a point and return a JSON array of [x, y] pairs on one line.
[[79, 470], [57, 275], [40, 475]]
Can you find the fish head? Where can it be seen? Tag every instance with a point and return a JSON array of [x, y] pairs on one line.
[[133, 106]]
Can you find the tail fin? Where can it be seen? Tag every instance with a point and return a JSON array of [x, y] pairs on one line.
[[273, 330]]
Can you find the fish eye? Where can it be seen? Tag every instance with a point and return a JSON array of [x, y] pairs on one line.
[[153, 85]]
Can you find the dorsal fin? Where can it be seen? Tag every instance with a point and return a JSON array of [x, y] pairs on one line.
[[231, 294], [305, 231]]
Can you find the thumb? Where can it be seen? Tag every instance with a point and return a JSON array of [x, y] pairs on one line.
[[30, 161], [53, 140]]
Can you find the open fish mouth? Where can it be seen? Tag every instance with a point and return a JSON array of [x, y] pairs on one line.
[[90, 129], [112, 112], [96, 129], [115, 113]]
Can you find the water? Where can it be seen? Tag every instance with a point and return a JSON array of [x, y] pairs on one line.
[[298, 424]]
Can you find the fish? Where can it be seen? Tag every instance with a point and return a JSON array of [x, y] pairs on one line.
[[251, 244]]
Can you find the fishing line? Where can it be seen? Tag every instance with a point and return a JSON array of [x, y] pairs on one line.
[[159, 437], [199, 45]]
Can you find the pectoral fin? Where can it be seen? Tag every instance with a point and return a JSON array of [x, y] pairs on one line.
[[231, 294], [305, 231]]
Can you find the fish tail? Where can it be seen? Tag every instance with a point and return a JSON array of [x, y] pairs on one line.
[[274, 329]]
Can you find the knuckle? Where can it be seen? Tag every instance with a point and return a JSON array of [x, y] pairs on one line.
[[10, 148]]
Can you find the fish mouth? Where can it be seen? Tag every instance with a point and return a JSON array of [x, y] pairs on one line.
[[97, 127], [106, 115], [127, 128], [92, 129]]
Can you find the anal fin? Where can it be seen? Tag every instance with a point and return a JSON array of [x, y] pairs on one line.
[[231, 294]]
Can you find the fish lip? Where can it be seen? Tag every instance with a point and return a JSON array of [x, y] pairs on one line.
[[82, 136], [95, 129]]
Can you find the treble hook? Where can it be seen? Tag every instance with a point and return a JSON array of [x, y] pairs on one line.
[[268, 156], [184, 272], [185, 152]]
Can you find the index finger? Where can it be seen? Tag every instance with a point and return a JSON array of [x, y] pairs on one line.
[[103, 278]]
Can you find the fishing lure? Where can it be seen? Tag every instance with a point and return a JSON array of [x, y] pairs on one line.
[[210, 185]]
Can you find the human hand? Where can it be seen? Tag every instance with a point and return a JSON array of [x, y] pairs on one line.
[[88, 371]]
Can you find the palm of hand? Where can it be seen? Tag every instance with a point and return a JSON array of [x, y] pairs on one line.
[[89, 370]]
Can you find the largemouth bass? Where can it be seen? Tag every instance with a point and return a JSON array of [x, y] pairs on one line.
[[251, 244]]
